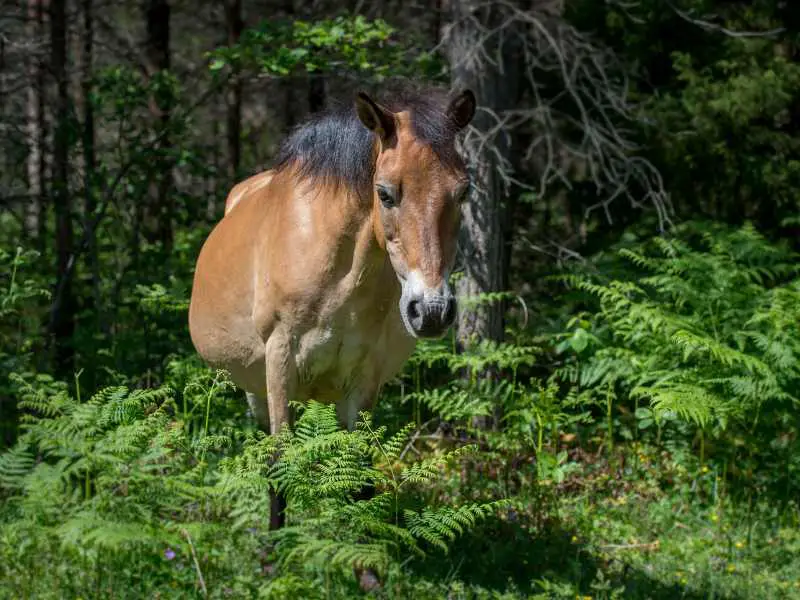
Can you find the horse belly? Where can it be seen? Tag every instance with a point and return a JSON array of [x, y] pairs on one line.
[[221, 306], [232, 344]]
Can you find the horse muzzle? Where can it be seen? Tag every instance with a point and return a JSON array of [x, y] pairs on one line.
[[426, 312]]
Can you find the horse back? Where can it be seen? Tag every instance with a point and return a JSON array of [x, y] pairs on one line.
[[248, 186]]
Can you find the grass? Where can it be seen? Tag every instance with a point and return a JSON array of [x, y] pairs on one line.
[[641, 526]]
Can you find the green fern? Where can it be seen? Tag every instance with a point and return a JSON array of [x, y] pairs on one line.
[[454, 403], [438, 526], [708, 330], [15, 464], [320, 469]]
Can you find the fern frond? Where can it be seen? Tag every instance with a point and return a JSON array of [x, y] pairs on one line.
[[111, 535], [428, 468], [395, 445], [442, 525], [316, 420], [689, 401], [454, 404], [15, 464], [690, 342], [327, 553]]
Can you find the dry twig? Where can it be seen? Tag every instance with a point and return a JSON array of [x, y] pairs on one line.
[[579, 109], [196, 563]]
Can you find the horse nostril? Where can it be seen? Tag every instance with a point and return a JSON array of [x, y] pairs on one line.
[[413, 310], [432, 316], [449, 311]]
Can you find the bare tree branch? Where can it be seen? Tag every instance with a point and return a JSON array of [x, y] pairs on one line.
[[579, 110], [705, 23]]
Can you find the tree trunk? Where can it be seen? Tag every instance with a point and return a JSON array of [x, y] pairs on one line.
[[290, 116], [63, 308], [212, 182], [316, 93], [482, 243], [233, 21], [160, 210], [35, 165], [89, 159]]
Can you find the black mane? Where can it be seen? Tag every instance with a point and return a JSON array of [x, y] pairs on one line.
[[336, 146]]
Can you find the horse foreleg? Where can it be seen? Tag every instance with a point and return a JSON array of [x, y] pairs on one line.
[[259, 410], [347, 413], [281, 381], [353, 402]]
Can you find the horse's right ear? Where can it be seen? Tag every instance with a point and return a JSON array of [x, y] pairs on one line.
[[462, 108], [375, 117]]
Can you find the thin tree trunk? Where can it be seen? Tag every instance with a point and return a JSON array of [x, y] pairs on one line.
[[482, 233], [438, 15], [35, 165], [290, 98], [89, 159], [63, 309], [233, 21], [213, 203], [317, 88], [158, 218]]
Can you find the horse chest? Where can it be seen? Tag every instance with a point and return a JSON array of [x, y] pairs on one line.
[[359, 346], [333, 351]]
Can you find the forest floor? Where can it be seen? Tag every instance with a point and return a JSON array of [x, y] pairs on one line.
[[643, 525], [639, 520]]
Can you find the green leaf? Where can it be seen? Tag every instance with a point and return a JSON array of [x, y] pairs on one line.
[[579, 340]]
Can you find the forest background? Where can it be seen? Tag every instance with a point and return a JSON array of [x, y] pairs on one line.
[[614, 414]]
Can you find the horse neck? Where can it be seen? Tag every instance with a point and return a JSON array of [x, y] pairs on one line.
[[368, 237], [366, 249]]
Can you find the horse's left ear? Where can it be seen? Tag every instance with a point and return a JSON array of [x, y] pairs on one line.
[[462, 108], [375, 117]]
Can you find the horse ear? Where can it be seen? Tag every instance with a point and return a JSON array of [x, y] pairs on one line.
[[462, 108], [375, 117]]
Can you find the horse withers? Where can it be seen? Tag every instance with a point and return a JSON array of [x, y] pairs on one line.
[[326, 269]]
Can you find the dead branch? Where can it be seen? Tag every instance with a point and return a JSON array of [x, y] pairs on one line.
[[707, 25], [579, 110], [200, 578]]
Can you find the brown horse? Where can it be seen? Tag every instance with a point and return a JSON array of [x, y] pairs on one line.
[[327, 268]]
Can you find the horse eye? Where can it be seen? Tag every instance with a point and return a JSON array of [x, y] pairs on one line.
[[386, 198]]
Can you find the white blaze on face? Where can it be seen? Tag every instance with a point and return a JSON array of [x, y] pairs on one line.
[[414, 285]]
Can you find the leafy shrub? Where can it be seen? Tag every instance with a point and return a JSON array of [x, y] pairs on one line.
[[20, 294], [344, 45], [704, 325]]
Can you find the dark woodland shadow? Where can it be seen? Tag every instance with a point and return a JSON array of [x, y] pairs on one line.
[[501, 555]]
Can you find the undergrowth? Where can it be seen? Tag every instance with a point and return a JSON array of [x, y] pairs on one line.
[[118, 481], [645, 447]]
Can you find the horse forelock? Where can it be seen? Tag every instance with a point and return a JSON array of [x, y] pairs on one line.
[[334, 147]]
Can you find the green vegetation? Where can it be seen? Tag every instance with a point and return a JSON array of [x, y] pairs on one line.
[[635, 469], [635, 433]]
